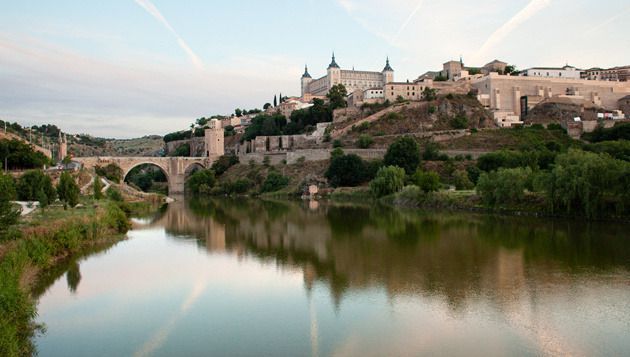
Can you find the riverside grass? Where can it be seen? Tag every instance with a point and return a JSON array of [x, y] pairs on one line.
[[38, 248]]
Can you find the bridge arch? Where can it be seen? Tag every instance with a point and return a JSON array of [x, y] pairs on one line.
[[147, 178]]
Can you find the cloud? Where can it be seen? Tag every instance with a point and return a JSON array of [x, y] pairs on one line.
[[409, 18], [609, 20], [506, 29], [153, 11]]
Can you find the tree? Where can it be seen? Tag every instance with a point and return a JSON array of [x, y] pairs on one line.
[[19, 155], [346, 170], [429, 94], [462, 181], [504, 186], [389, 180], [274, 182], [68, 190], [111, 172], [97, 187], [427, 181], [201, 182], [404, 153], [36, 186], [238, 112], [459, 122], [337, 96], [8, 215], [510, 69], [266, 106], [275, 101], [220, 166]]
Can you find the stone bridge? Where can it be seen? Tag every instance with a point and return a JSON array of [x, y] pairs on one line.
[[176, 169]]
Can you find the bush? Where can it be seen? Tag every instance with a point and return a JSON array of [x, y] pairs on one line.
[[114, 194], [68, 190], [337, 143], [404, 153], [274, 182], [201, 182], [432, 109], [182, 151], [8, 215], [365, 141], [473, 173], [459, 122], [619, 150], [238, 187], [431, 152], [97, 187], [461, 180], [426, 181], [346, 170], [19, 155], [504, 186], [36, 186], [111, 172], [224, 163], [7, 188], [618, 132], [389, 180]]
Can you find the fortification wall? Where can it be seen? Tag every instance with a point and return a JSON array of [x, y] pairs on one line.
[[197, 146]]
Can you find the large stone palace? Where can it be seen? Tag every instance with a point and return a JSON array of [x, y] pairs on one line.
[[353, 80]]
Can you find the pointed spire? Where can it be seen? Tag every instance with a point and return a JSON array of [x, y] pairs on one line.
[[388, 68], [333, 64], [306, 74]]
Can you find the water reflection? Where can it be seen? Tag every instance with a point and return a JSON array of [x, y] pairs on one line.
[[298, 278]]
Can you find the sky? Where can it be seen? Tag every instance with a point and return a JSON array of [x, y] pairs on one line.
[[128, 68]]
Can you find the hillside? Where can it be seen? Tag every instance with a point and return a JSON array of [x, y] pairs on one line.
[[88, 146]]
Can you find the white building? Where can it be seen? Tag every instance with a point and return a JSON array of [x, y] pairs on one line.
[[373, 93], [551, 72]]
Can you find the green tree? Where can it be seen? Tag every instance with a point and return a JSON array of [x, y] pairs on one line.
[[8, 214], [275, 101], [238, 112], [346, 170], [201, 181], [504, 186], [274, 182], [404, 153], [68, 190], [459, 122], [510, 69], [36, 186], [337, 96], [388, 180], [266, 106], [114, 194], [427, 181], [220, 166], [462, 181], [111, 172], [97, 187], [365, 141]]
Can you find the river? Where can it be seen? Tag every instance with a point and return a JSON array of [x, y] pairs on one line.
[[254, 278]]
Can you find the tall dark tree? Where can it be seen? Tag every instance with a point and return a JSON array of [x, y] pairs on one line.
[[275, 101], [68, 190], [403, 153]]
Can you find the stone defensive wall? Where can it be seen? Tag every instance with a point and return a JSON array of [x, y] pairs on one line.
[[197, 146]]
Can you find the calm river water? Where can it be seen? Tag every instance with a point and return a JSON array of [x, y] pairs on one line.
[[253, 278]]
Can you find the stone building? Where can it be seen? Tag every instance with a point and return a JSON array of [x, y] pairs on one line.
[[406, 90], [621, 74], [353, 80], [553, 72], [63, 147], [214, 139]]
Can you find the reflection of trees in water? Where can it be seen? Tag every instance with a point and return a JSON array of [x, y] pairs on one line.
[[453, 256], [73, 276]]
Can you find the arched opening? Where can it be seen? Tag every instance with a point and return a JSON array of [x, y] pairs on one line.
[[148, 177], [192, 168]]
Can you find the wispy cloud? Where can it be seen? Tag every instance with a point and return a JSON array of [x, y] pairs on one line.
[[153, 11], [506, 29], [408, 20], [610, 20]]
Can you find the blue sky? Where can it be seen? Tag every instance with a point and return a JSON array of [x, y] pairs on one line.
[[126, 68]]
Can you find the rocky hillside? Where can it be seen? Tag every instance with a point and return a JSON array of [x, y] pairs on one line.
[[87, 146]]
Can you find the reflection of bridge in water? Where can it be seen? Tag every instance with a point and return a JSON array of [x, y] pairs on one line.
[[176, 169]]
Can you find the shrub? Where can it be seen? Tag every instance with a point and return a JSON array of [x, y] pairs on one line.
[[201, 182], [337, 152], [182, 150], [431, 152], [404, 153], [473, 173], [36, 186], [8, 215], [461, 180], [389, 180], [365, 141], [504, 186], [238, 187], [459, 122], [224, 163], [337, 143], [346, 170], [426, 181], [114, 194], [7, 188], [274, 182], [266, 161], [68, 190], [97, 187], [432, 109], [111, 172]]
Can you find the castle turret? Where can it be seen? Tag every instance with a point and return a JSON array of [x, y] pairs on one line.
[[306, 80], [388, 73], [214, 139], [63, 147], [334, 73]]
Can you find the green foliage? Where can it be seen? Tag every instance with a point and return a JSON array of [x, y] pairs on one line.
[[180, 135], [266, 161], [619, 150], [114, 194], [274, 182], [389, 180], [97, 187], [473, 174], [432, 152], [459, 122], [112, 172], [201, 181], [534, 159], [440, 78], [430, 94], [583, 183], [365, 141], [224, 163], [266, 125], [509, 69], [68, 190], [432, 109], [182, 150], [303, 120], [8, 215], [337, 96], [504, 186], [7, 188], [427, 181], [620, 131], [337, 143], [36, 186], [144, 177], [346, 170], [337, 152], [404, 153], [19, 155], [462, 181]]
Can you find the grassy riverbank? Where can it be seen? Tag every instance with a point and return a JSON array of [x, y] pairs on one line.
[[43, 240]]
